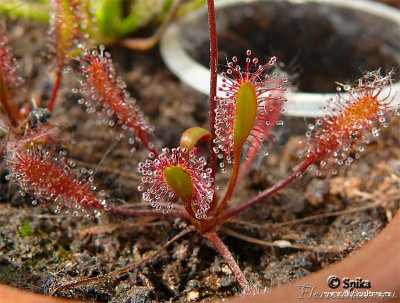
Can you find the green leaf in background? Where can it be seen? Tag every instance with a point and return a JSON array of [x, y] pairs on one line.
[[115, 18], [25, 229]]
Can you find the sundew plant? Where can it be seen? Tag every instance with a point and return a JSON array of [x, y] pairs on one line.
[[179, 181]]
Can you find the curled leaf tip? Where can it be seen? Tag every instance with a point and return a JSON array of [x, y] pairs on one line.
[[192, 137]]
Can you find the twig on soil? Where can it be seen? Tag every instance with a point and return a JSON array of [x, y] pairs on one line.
[[311, 218], [376, 196], [126, 268], [111, 227], [283, 243]]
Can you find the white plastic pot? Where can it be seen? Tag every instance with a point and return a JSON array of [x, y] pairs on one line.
[[299, 103]]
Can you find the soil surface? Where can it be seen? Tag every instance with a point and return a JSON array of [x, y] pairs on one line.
[[41, 250]]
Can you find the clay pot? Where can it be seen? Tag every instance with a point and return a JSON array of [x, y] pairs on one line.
[[320, 41]]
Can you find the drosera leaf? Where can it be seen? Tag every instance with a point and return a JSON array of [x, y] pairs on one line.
[[179, 180], [8, 78], [192, 137], [171, 175], [51, 176], [68, 28], [68, 31], [246, 114], [105, 93], [247, 106], [341, 132]]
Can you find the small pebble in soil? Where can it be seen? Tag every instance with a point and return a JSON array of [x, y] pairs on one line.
[[193, 295], [225, 282], [226, 269], [193, 284]]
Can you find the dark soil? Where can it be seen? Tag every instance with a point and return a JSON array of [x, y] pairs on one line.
[[40, 250]]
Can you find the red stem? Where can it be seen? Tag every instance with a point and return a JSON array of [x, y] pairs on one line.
[[252, 153], [187, 203], [273, 116], [213, 88], [56, 88], [5, 101], [216, 240], [299, 170], [145, 139], [232, 183]]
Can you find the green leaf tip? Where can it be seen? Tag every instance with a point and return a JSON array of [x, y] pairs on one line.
[[180, 181], [193, 136], [246, 114]]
